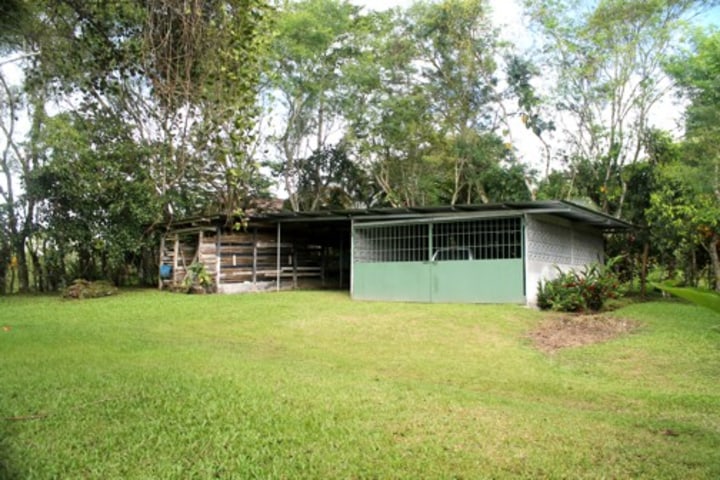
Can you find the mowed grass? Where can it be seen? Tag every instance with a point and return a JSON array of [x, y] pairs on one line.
[[314, 385]]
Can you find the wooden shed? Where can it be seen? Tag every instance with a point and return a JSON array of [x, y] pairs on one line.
[[266, 252], [494, 253]]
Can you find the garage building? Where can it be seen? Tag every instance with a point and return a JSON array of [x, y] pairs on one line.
[[492, 253]]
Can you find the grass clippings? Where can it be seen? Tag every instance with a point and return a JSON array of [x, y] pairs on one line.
[[569, 331], [83, 289]]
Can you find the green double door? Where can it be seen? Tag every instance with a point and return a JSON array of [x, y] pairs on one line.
[[461, 281]]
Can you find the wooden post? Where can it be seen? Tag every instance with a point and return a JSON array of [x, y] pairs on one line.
[[294, 266], [160, 264], [176, 253], [341, 262], [277, 259], [352, 255], [218, 251], [254, 265], [323, 266]]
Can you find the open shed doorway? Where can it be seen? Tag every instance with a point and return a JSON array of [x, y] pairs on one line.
[[319, 256]]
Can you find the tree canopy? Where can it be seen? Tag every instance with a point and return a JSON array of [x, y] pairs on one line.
[[119, 116]]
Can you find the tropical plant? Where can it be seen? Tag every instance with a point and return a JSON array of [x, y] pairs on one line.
[[577, 291], [197, 277]]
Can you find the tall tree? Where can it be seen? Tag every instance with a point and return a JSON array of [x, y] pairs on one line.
[[315, 43], [179, 81], [431, 116], [698, 174], [608, 60]]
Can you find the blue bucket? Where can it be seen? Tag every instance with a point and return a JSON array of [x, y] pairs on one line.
[[165, 271]]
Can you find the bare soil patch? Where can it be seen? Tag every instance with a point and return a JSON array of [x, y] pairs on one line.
[[578, 330]]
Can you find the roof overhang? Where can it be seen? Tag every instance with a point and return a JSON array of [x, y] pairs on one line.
[[557, 208]]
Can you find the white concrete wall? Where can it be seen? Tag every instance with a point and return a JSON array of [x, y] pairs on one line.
[[551, 243]]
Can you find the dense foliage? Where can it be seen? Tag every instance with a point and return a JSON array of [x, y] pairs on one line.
[[117, 117], [584, 290]]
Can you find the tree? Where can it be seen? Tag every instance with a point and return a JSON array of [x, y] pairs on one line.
[[169, 89], [698, 174], [330, 179], [316, 42], [457, 50], [429, 113], [17, 162], [94, 200], [608, 60]]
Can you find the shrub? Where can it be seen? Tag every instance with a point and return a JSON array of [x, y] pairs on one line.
[[578, 291], [198, 280], [84, 289]]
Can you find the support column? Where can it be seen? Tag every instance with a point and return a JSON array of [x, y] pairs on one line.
[[254, 260], [277, 258], [160, 263], [218, 251], [342, 252], [294, 266], [352, 253], [323, 266], [176, 253]]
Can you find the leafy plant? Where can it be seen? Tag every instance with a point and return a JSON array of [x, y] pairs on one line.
[[198, 276], [577, 291], [703, 298]]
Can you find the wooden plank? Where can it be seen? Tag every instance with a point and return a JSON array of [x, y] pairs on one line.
[[254, 256], [273, 245], [176, 253], [225, 250], [218, 240]]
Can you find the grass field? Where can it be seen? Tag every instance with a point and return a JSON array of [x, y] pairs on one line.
[[313, 385]]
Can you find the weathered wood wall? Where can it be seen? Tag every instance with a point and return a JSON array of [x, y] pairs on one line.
[[238, 257]]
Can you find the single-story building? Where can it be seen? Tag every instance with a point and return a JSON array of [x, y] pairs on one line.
[[492, 253]]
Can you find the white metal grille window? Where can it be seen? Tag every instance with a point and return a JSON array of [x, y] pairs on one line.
[[391, 243], [456, 240]]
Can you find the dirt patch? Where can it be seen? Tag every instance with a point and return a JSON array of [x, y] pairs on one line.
[[578, 330]]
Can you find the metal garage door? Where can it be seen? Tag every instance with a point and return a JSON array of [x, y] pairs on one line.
[[468, 261]]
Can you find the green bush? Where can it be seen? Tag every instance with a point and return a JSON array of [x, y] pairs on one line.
[[84, 289], [198, 280], [580, 291]]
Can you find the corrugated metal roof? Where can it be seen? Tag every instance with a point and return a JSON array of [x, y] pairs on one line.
[[558, 208]]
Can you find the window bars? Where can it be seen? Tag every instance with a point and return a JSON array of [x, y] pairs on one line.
[[485, 239]]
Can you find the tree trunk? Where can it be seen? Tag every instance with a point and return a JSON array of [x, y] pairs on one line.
[[715, 259], [22, 268], [644, 269], [38, 276]]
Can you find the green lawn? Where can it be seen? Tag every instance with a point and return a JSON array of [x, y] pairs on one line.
[[313, 385]]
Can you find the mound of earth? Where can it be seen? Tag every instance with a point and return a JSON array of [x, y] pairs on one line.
[[578, 330]]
